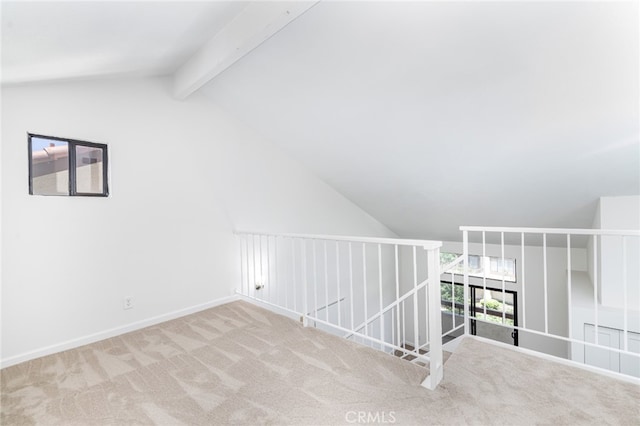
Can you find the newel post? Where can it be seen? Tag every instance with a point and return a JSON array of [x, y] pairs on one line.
[[435, 319]]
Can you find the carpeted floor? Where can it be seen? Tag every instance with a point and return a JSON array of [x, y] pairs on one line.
[[239, 364]]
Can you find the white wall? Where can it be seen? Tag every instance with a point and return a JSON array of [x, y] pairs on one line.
[[619, 213], [183, 175], [1, 229], [612, 318]]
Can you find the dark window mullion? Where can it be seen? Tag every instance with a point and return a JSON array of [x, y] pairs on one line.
[[30, 148], [72, 169], [105, 171]]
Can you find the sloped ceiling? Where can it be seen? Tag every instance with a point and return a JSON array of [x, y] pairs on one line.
[[44, 41], [435, 115], [428, 115]]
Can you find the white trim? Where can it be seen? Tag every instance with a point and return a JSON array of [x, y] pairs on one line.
[[601, 371], [255, 24], [630, 232], [452, 345], [291, 314], [296, 316], [112, 332], [427, 244]]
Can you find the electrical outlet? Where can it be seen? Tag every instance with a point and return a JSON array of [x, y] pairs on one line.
[[127, 303]]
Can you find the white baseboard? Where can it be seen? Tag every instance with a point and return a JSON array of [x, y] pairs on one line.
[[270, 307], [567, 362], [452, 345], [92, 338]]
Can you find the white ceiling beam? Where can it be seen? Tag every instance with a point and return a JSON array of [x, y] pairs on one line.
[[249, 29]]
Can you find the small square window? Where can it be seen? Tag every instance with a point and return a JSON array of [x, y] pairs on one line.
[[67, 167]]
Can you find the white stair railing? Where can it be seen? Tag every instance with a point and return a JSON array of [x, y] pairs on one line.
[[382, 292], [578, 291]]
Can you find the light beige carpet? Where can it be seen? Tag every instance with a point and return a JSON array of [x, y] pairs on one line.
[[239, 364]]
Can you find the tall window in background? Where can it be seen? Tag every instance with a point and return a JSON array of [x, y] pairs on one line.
[[489, 267], [68, 167]]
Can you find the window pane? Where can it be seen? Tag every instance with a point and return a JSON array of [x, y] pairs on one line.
[[482, 266], [49, 167], [474, 263], [89, 170]]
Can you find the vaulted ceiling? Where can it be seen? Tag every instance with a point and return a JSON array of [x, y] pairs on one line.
[[55, 40], [428, 115]]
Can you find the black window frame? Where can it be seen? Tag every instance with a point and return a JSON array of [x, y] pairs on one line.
[[458, 308], [72, 144]]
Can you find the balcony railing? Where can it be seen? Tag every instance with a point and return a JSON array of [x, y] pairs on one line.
[[578, 291], [381, 292], [571, 287]]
